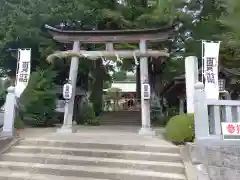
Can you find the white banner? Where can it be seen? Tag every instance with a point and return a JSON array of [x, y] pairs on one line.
[[23, 71], [210, 69]]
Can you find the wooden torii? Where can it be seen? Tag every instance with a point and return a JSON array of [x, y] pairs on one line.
[[109, 37]]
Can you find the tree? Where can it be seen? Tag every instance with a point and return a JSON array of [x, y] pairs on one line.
[[22, 26], [37, 104], [231, 37], [119, 76]]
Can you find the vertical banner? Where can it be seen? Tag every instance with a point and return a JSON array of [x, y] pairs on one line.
[[23, 71], [210, 69]]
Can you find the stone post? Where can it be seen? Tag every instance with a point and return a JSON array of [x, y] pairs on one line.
[[191, 78], [181, 105], [200, 112], [9, 113], [145, 104], [68, 114]]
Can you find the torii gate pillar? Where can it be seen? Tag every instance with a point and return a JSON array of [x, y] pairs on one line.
[[145, 104], [69, 106]]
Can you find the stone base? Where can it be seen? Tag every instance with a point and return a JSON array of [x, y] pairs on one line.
[[147, 132], [65, 130], [220, 158], [6, 134], [193, 153], [201, 173], [209, 138]]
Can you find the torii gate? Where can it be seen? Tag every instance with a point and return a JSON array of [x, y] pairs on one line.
[[109, 37]]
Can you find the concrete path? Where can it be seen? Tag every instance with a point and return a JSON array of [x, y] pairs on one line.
[[127, 135]]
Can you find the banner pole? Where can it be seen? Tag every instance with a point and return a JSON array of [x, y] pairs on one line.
[[202, 60], [18, 59]]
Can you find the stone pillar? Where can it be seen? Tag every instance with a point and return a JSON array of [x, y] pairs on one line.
[[181, 106], [201, 120], [9, 113], [191, 78], [145, 104], [68, 114]]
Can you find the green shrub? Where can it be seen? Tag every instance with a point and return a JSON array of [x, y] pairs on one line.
[[161, 121], [173, 111], [86, 115], [94, 121], [18, 123], [180, 129], [37, 104]]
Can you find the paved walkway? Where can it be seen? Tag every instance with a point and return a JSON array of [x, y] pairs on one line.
[[101, 134]]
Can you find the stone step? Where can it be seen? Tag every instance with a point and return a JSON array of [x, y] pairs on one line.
[[126, 119], [121, 119], [73, 144], [115, 124], [133, 116], [166, 167], [121, 122], [110, 113], [15, 175], [120, 154], [89, 172]]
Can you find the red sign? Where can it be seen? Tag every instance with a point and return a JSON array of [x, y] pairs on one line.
[[231, 129]]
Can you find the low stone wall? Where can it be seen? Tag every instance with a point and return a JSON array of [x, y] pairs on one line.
[[216, 159]]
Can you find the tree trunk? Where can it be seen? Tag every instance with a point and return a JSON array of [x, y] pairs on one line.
[[97, 86]]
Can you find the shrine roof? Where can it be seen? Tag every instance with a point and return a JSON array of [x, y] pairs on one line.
[[231, 71], [175, 84], [102, 36]]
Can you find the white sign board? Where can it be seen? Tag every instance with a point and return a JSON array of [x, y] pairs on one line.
[[210, 69], [146, 92], [67, 91], [231, 131], [23, 71]]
